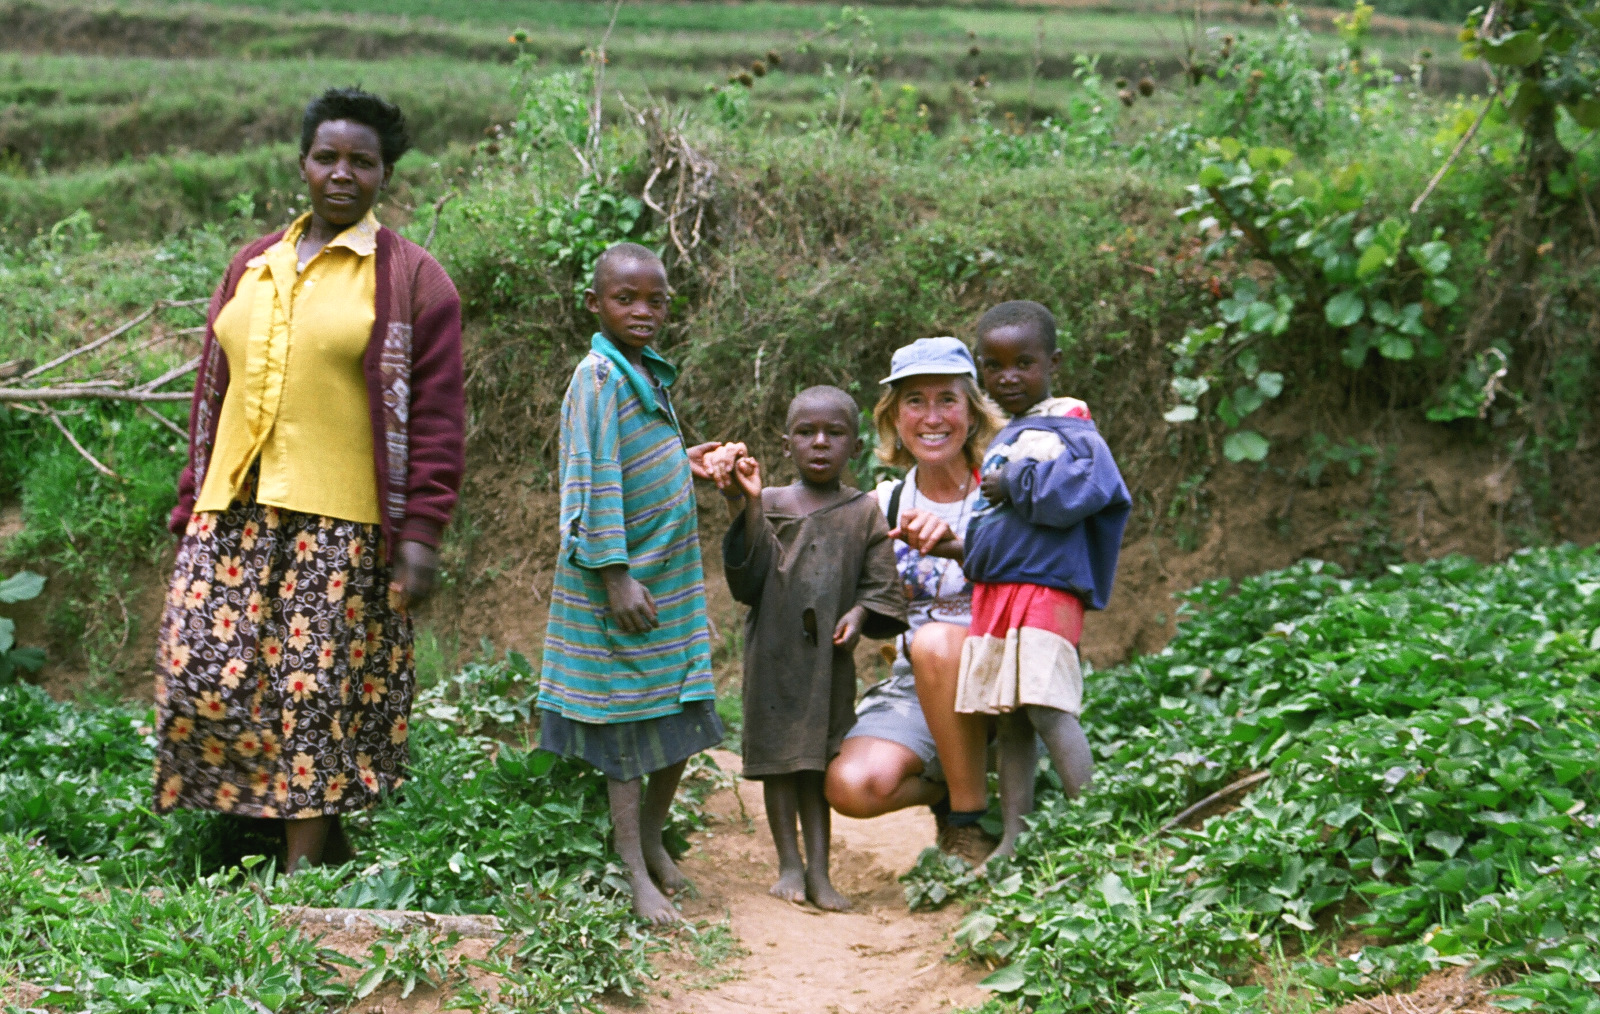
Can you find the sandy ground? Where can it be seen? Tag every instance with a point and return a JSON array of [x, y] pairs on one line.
[[798, 960]]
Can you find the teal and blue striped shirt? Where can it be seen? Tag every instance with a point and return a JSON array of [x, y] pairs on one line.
[[627, 496]]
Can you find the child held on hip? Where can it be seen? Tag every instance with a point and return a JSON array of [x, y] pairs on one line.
[[1042, 547], [814, 562], [626, 683]]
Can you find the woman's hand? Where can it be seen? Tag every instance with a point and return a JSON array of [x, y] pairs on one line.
[[633, 609], [922, 530], [416, 567], [697, 458], [848, 630]]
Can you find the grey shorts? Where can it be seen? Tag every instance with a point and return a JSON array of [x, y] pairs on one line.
[[890, 710]]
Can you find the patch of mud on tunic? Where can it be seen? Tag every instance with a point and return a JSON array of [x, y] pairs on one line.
[[799, 575], [286, 677]]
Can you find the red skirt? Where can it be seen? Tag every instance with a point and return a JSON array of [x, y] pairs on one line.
[[1021, 649]]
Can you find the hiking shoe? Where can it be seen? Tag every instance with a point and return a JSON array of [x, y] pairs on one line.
[[971, 843]]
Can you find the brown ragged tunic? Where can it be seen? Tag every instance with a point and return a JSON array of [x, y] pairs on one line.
[[799, 690]]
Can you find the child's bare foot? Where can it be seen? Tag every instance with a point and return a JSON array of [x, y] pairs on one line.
[[650, 904], [820, 890], [665, 870], [791, 885]]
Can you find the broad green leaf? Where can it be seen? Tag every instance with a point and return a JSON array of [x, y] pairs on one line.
[[1259, 316], [1212, 175], [1518, 49], [1204, 986], [1344, 309], [1007, 980], [1395, 346], [1586, 112], [1115, 892], [8, 634], [1247, 400], [1432, 257], [1181, 414], [1229, 148], [1444, 841], [541, 763], [1245, 445], [21, 586], [1441, 291], [1269, 383], [1190, 389], [1373, 260]]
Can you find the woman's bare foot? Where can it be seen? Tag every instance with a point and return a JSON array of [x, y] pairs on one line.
[[650, 904], [665, 870], [820, 890], [791, 885]]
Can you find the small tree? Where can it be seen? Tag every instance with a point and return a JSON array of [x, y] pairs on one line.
[[1549, 54]]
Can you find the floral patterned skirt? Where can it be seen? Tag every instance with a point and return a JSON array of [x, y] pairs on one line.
[[286, 674]]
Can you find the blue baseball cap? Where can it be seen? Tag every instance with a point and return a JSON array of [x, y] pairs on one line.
[[924, 357]]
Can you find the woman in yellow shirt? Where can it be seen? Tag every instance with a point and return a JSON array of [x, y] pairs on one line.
[[325, 453]]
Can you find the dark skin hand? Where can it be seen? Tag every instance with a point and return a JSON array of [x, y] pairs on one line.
[[994, 487], [416, 567], [633, 608], [344, 171], [847, 632]]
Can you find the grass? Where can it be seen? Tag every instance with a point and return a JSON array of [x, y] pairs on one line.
[[116, 909]]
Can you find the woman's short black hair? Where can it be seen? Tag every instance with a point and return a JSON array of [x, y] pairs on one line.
[[361, 107]]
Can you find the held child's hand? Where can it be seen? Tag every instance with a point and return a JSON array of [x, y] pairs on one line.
[[848, 630], [747, 476], [994, 486], [633, 609]]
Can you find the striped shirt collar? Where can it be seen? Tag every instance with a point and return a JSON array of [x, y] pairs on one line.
[[664, 371]]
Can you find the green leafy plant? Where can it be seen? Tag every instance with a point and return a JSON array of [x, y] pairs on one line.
[[1338, 276], [22, 586], [1421, 744]]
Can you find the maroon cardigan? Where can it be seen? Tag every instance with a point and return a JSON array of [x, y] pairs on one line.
[[413, 372]]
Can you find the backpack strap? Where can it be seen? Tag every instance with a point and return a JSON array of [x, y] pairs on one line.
[[893, 513]]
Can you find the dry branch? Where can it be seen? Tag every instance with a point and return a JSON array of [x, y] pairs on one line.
[[82, 451], [1248, 781], [689, 175], [117, 332], [163, 420], [43, 394], [1461, 146], [483, 926]]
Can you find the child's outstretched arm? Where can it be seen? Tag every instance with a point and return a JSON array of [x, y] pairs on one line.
[[750, 543], [1062, 493]]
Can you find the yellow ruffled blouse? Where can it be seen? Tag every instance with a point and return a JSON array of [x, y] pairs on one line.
[[297, 397]]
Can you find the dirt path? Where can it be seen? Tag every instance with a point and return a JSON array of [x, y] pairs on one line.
[[878, 958]]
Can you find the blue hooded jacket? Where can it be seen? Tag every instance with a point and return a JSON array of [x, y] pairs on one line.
[[1063, 525]]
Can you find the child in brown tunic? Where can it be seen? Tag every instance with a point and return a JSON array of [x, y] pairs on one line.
[[814, 562]]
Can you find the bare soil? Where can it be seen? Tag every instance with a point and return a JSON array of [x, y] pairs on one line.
[[785, 958]]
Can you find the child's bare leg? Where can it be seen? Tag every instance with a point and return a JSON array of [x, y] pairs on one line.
[[1068, 746], [782, 796], [1019, 762], [816, 819], [649, 903], [657, 804]]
